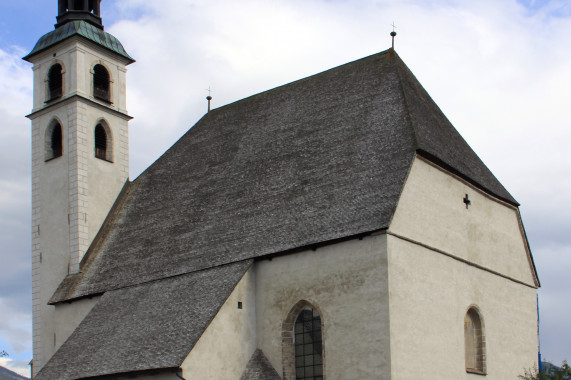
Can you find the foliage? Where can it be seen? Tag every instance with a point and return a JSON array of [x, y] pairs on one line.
[[549, 372]]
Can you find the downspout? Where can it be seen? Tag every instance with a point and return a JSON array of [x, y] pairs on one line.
[[540, 365]]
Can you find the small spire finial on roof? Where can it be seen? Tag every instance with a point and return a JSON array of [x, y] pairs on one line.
[[393, 34], [209, 97]]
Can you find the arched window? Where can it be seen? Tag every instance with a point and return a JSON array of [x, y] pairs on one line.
[[53, 142], [474, 342], [101, 143], [302, 343], [101, 86], [308, 346], [55, 82]]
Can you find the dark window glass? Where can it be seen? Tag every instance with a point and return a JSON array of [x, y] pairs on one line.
[[100, 142], [78, 5], [308, 346], [56, 142], [55, 82], [101, 83]]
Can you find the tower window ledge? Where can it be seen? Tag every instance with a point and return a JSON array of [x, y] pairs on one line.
[[104, 159], [53, 99], [106, 101], [52, 158]]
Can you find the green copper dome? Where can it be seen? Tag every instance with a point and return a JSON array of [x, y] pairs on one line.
[[83, 29]]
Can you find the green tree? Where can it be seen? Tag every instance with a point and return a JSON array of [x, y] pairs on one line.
[[549, 372]]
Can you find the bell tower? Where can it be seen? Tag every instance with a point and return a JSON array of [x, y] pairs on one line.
[[80, 153]]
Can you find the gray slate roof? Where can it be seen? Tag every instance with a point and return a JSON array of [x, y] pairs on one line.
[[259, 368], [316, 160], [146, 327], [320, 159], [85, 30]]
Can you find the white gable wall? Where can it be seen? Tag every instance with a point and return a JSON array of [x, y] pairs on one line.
[[224, 349], [432, 244], [487, 233], [347, 282]]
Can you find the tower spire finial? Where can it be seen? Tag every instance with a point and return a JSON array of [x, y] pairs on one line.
[[209, 97], [393, 34]]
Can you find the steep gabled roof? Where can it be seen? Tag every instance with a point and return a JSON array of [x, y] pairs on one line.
[[320, 159], [148, 327], [259, 368]]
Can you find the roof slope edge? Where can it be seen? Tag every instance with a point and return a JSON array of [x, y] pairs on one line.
[[437, 140]]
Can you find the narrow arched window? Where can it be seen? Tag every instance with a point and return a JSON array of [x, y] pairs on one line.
[[53, 142], [101, 142], [474, 342], [308, 345], [55, 82], [101, 83]]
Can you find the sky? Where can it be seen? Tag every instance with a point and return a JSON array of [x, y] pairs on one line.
[[500, 71]]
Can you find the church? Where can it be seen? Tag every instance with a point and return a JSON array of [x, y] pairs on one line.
[[337, 227]]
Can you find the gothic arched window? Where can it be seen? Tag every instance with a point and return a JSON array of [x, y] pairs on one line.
[[55, 82], [101, 83], [308, 345], [102, 143], [474, 342], [53, 142]]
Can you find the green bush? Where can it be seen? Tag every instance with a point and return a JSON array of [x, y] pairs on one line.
[[549, 372]]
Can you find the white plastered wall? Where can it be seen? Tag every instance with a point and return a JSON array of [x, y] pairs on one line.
[[433, 244], [226, 346], [71, 194], [487, 233], [347, 282]]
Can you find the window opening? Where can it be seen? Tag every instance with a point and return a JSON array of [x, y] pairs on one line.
[[101, 88], [308, 346], [53, 142], [55, 82], [474, 342], [79, 5], [100, 142]]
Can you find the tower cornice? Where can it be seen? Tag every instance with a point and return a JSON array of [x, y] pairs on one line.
[[70, 99]]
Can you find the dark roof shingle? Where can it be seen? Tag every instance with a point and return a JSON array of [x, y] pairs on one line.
[[322, 158], [259, 368], [146, 327]]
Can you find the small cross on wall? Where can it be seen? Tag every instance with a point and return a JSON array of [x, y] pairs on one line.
[[467, 201]]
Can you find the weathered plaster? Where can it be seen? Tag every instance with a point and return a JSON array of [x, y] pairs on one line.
[[430, 294], [71, 194], [487, 233], [224, 349], [347, 282]]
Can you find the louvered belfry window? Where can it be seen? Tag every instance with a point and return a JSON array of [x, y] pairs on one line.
[[101, 87], [308, 346], [56, 142], [100, 142], [55, 82]]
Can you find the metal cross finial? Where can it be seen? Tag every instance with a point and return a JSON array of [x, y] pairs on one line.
[[393, 34], [209, 97], [467, 201]]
